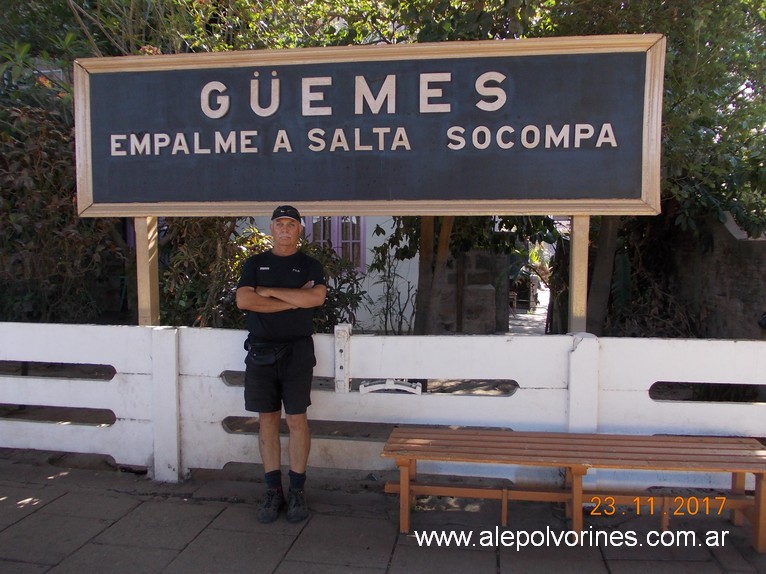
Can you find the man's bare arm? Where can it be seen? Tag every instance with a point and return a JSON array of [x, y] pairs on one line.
[[307, 297], [249, 300]]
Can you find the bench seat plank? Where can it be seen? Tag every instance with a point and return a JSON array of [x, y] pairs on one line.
[[655, 452]]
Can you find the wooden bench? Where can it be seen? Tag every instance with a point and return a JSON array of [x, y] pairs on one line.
[[576, 453]]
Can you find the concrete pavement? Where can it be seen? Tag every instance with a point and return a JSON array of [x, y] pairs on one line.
[[74, 514]]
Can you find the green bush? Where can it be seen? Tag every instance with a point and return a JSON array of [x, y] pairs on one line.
[[54, 266]]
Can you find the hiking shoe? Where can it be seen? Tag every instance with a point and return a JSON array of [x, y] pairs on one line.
[[271, 503], [297, 509]]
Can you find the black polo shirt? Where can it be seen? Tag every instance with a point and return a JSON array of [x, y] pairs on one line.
[[269, 270]]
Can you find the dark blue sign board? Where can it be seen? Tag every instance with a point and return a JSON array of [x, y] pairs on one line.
[[564, 126]]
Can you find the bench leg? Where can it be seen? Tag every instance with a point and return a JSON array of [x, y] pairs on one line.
[[759, 514], [665, 516], [577, 474], [504, 510], [404, 494], [737, 489]]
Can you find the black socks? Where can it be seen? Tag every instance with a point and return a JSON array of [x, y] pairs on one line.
[[297, 480], [274, 480]]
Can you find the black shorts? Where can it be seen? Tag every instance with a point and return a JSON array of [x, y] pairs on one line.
[[288, 381]]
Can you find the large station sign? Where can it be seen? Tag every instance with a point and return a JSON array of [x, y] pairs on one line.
[[539, 126]]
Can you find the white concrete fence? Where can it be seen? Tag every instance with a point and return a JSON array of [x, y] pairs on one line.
[[170, 399]]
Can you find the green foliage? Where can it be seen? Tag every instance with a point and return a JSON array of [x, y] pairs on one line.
[[47, 27], [643, 301], [202, 260], [621, 283], [345, 293], [243, 24], [714, 117], [498, 235], [713, 139], [54, 267]]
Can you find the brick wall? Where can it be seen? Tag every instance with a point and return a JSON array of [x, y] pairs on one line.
[[483, 309], [725, 285]]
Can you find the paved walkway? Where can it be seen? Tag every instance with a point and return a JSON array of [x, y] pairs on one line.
[[94, 519], [530, 321]]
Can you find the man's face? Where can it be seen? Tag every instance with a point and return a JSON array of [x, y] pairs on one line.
[[285, 232]]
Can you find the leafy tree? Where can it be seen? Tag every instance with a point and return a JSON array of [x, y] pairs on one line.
[[53, 265], [201, 260], [714, 134]]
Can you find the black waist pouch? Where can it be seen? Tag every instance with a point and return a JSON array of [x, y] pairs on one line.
[[264, 354]]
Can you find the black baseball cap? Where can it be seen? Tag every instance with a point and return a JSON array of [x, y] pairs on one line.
[[286, 211]]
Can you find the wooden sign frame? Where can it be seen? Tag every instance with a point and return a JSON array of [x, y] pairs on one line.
[[93, 178]]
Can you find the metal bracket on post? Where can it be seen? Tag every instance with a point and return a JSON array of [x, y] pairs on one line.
[[342, 359], [389, 386]]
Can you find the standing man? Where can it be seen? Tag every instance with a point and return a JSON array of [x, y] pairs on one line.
[[279, 289]]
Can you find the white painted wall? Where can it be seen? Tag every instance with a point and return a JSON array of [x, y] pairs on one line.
[[170, 399]]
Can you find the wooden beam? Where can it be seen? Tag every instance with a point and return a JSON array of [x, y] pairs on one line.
[[147, 270], [578, 274]]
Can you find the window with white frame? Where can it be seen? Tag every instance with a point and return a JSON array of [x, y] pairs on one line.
[[344, 233]]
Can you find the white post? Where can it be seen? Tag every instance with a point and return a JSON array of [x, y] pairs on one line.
[[342, 359], [166, 413], [584, 383], [584, 390]]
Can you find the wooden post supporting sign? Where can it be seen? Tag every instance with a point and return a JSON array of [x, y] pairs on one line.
[[147, 270], [578, 274]]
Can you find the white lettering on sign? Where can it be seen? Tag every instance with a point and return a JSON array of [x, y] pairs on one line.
[[255, 100], [198, 149], [379, 138], [427, 93], [140, 146], [606, 136], [117, 141], [362, 141], [246, 141], [308, 95], [363, 94], [495, 92], [215, 103], [227, 144], [282, 142], [207, 96], [531, 136], [161, 140]]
